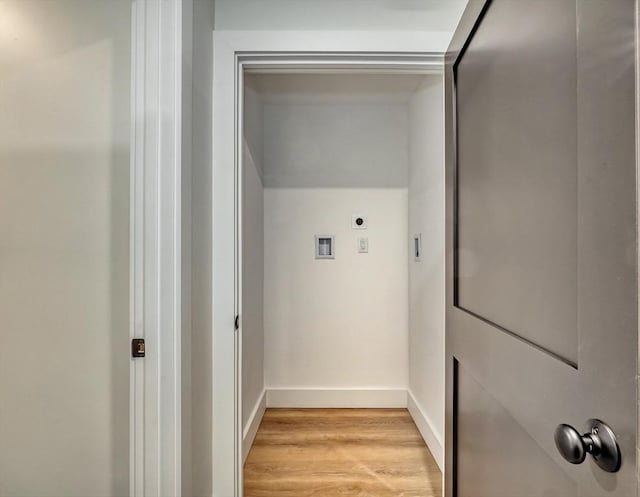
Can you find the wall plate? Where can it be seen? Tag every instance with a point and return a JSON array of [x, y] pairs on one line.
[[417, 246], [325, 247], [363, 245], [359, 222]]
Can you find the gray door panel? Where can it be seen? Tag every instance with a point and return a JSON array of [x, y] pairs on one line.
[[482, 455], [517, 185], [541, 234]]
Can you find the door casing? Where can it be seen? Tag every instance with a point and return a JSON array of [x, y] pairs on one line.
[[155, 250], [233, 54]]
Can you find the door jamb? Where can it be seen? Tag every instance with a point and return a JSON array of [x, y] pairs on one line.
[[155, 250], [285, 61]]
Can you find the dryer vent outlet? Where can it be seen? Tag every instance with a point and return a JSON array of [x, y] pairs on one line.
[[359, 222]]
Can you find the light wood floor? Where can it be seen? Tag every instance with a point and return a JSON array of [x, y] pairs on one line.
[[340, 452]]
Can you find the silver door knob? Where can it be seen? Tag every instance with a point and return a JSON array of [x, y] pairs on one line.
[[600, 442]]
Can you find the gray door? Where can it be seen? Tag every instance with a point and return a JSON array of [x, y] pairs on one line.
[[542, 308]]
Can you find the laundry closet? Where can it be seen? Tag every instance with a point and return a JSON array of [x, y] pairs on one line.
[[342, 245]]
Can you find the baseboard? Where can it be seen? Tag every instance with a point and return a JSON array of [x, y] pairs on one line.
[[249, 433], [337, 398], [425, 427]]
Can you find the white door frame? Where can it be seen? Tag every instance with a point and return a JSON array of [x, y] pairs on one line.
[[155, 258], [234, 52]]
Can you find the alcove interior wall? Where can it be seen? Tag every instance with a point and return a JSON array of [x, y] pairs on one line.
[[362, 329]]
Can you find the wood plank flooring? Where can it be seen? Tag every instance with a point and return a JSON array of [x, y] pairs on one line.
[[341, 453]]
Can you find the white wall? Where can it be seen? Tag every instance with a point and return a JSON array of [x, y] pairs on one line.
[[198, 475], [331, 130], [252, 312], [336, 331], [352, 15], [197, 422], [186, 398], [252, 323], [253, 124], [342, 323], [427, 277], [336, 144], [64, 247]]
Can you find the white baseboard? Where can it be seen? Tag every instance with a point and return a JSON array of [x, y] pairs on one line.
[[337, 398], [425, 427], [249, 433]]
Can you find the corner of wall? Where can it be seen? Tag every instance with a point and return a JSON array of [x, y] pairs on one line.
[[429, 433], [201, 132], [427, 276]]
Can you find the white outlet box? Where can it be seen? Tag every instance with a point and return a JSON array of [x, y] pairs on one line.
[[325, 247]]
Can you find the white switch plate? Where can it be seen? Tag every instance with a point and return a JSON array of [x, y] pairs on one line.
[[363, 245]]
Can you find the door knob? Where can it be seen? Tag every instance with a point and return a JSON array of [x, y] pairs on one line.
[[599, 441]]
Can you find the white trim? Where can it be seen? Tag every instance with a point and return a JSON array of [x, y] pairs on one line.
[[226, 430], [251, 429], [371, 398], [310, 62], [156, 253], [430, 435], [331, 43], [136, 282], [239, 193], [637, 71]]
